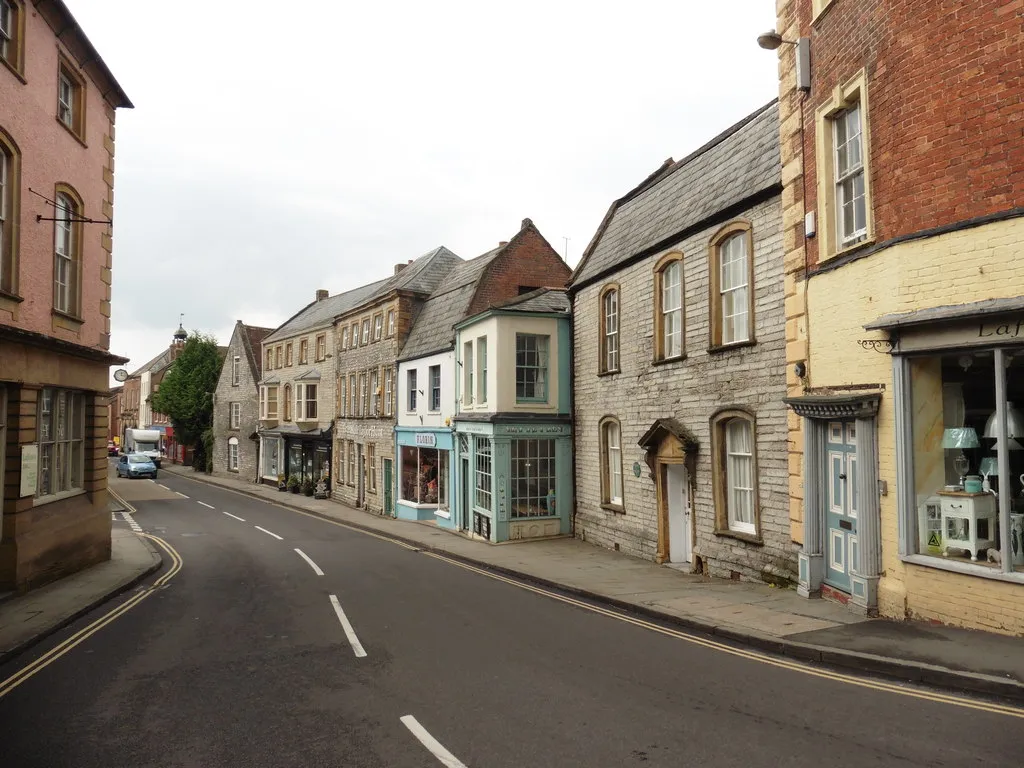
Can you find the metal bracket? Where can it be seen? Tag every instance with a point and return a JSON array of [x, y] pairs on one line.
[[884, 346]]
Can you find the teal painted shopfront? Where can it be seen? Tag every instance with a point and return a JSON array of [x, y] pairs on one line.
[[425, 475], [513, 480]]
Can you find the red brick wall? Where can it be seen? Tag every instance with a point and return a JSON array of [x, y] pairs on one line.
[[946, 108], [528, 261]]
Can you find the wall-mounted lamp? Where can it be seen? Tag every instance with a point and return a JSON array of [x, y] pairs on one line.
[[772, 40], [800, 369]]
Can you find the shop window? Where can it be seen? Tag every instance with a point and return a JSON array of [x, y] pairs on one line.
[[482, 474], [61, 432], [956, 456], [533, 478], [424, 473], [271, 458], [734, 472], [531, 368]]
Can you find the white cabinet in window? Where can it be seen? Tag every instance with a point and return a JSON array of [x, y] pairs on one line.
[[968, 521]]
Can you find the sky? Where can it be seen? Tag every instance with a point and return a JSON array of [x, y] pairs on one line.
[[278, 148]]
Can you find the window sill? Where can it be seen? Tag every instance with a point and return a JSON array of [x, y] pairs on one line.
[[610, 373], [12, 297], [78, 322], [826, 4], [72, 131], [749, 538], [616, 508], [443, 513], [53, 497], [233, 471], [715, 348], [668, 360], [838, 254], [965, 568], [532, 401], [14, 71], [525, 518], [418, 505]]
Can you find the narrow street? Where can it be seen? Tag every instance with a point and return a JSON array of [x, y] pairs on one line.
[[286, 640]]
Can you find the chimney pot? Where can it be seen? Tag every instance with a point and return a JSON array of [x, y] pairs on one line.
[[321, 294]]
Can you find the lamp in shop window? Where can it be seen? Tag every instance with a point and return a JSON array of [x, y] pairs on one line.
[[959, 438], [1014, 425]]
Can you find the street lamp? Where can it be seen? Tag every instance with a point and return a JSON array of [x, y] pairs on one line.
[[772, 40]]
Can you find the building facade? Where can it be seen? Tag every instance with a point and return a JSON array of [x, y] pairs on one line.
[[680, 428], [369, 336], [296, 405], [513, 431], [115, 405], [57, 105], [236, 405], [903, 226]]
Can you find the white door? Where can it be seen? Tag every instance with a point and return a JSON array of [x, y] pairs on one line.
[[678, 501]]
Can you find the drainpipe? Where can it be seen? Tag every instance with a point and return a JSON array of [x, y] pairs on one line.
[[572, 416]]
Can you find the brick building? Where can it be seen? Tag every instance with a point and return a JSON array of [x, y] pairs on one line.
[[115, 404], [903, 222], [236, 404], [680, 428], [368, 337], [57, 105]]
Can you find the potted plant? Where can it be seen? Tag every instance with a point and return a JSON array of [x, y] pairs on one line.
[[293, 484], [307, 487], [282, 486]]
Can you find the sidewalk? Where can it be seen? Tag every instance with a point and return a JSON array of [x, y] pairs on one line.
[[27, 619], [771, 619]]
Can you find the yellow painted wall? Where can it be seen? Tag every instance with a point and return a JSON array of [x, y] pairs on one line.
[[956, 268]]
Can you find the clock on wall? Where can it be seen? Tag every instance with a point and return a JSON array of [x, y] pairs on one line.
[[120, 374]]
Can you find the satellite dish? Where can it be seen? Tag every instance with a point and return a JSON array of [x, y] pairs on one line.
[[120, 374]]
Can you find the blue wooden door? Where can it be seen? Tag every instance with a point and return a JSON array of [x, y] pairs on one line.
[[841, 546]]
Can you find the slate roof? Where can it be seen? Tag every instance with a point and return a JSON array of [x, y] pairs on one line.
[[551, 300], [425, 274], [739, 163], [158, 362], [432, 330], [321, 313]]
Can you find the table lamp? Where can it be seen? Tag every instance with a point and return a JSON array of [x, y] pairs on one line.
[[960, 438]]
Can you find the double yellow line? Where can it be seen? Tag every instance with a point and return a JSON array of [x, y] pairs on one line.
[[84, 634]]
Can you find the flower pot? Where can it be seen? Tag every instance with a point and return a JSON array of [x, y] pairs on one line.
[[282, 488], [295, 489]]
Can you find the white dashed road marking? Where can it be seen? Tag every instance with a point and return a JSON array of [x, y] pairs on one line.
[[432, 744], [180, 494], [163, 486], [234, 516], [208, 506], [131, 521], [269, 533], [350, 633], [314, 566]]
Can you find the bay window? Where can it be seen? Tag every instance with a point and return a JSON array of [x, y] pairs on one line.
[[305, 402]]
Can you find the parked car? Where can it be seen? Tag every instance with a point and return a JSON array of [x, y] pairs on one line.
[[111, 448], [136, 465]]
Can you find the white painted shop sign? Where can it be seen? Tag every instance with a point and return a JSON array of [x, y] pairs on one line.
[[29, 469], [429, 439]]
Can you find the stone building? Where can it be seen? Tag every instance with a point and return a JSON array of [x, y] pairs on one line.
[[680, 428], [296, 394], [236, 404], [903, 229], [368, 338], [57, 106]]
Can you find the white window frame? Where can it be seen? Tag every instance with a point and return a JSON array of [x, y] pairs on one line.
[[64, 252], [378, 326], [734, 457], [266, 400], [353, 395], [343, 395], [66, 99], [532, 459], [542, 350], [344, 337], [729, 256], [671, 309], [55, 436], [389, 391], [846, 175], [391, 323], [305, 405], [611, 464], [236, 415], [236, 371], [366, 332], [610, 314], [233, 454], [374, 379], [467, 373], [483, 474], [481, 356], [410, 382], [434, 382]]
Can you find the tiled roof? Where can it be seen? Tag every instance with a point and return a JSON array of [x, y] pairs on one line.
[[737, 164], [433, 329], [252, 338]]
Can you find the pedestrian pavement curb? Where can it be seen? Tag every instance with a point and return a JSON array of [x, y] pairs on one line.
[[20, 648], [906, 670]]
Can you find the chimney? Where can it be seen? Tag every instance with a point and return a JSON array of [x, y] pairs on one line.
[[321, 294], [527, 223], [400, 267], [502, 243]]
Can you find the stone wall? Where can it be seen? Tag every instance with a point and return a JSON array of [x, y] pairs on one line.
[[247, 394], [690, 390]]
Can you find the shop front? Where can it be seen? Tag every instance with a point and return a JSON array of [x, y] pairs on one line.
[[513, 480], [425, 475], [291, 453]]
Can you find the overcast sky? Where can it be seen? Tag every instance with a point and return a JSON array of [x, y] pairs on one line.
[[278, 148]]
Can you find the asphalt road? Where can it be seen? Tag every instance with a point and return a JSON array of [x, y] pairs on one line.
[[242, 659]]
